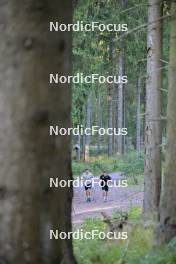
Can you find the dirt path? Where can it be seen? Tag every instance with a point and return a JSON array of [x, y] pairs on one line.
[[119, 199]]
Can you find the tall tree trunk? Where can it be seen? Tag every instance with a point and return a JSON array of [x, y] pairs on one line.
[[116, 119], [120, 100], [110, 105], [138, 124], [144, 115], [124, 116], [99, 121], [153, 131], [28, 155], [83, 146], [167, 228], [110, 120], [88, 125], [120, 107], [78, 149]]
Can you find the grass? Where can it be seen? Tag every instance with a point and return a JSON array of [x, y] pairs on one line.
[[138, 249], [131, 165]]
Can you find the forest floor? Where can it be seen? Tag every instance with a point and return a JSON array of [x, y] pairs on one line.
[[119, 199]]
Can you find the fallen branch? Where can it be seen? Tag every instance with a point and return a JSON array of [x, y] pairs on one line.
[[117, 225]]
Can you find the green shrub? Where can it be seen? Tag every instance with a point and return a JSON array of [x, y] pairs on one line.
[[162, 255], [113, 251], [131, 165], [96, 250], [138, 249]]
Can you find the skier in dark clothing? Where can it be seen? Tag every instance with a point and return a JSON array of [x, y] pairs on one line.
[[104, 179]]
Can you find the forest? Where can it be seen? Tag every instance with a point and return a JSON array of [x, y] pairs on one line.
[[142, 105], [88, 91]]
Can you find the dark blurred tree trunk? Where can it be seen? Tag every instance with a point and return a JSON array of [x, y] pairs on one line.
[[153, 130], [28, 155], [167, 228]]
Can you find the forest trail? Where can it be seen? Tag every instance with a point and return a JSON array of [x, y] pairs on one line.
[[119, 199]]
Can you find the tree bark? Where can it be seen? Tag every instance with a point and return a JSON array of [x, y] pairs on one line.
[[167, 227], [153, 131], [88, 125], [138, 124], [110, 105], [28, 155], [78, 149], [99, 121], [110, 121], [120, 100], [124, 114], [120, 116]]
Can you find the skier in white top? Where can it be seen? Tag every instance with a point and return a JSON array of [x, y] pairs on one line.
[[87, 180]]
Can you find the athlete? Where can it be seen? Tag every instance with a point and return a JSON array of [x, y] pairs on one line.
[[104, 179], [87, 180]]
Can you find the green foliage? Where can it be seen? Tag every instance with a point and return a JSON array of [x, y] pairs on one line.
[[96, 250], [138, 249], [110, 251], [135, 214], [95, 165], [163, 255], [131, 165], [91, 55]]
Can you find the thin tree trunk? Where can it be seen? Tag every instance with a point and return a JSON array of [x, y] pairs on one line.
[[120, 115], [110, 106], [110, 121], [167, 228], [138, 124], [127, 138], [28, 155], [124, 117], [83, 147], [99, 121], [88, 125], [144, 116], [120, 100], [78, 149], [116, 119], [153, 131]]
